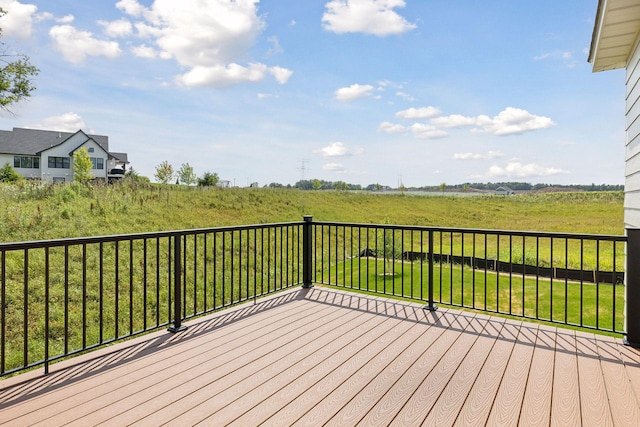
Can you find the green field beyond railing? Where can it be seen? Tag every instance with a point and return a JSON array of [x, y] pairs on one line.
[[570, 279], [62, 297], [581, 304]]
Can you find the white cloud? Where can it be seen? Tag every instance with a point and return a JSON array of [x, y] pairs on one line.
[[227, 75], [131, 7], [144, 51], [566, 58], [67, 122], [365, 16], [389, 127], [454, 120], [47, 16], [198, 33], [518, 170], [18, 19], [119, 28], [508, 122], [266, 95], [333, 167], [418, 113], [281, 74], [211, 39], [75, 45], [338, 149], [354, 91], [424, 131], [276, 48], [513, 121], [223, 76], [405, 96], [477, 156]]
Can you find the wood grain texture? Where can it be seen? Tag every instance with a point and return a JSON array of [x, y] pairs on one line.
[[593, 403], [624, 404], [536, 406], [478, 404], [565, 402], [320, 356], [508, 402]]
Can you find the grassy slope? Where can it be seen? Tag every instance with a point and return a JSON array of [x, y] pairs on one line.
[[31, 212]]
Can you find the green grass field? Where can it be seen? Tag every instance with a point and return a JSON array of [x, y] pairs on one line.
[[587, 304], [33, 211]]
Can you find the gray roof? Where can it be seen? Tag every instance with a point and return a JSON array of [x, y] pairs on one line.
[[31, 142], [123, 157]]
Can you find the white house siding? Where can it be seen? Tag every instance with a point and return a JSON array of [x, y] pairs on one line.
[[25, 172], [63, 150], [632, 152]]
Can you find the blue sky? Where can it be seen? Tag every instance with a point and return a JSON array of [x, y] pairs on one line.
[[362, 91]]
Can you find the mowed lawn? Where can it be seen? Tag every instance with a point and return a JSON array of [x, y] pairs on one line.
[[576, 303]]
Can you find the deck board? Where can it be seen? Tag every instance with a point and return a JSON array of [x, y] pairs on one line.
[[326, 357], [478, 403], [536, 406], [565, 402], [508, 402], [624, 405], [595, 409]]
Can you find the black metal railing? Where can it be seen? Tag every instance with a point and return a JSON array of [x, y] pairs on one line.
[[62, 297], [571, 279]]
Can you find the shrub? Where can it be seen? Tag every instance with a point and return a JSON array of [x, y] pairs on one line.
[[8, 174], [208, 179]]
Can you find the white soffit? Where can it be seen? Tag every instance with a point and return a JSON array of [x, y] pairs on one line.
[[615, 33]]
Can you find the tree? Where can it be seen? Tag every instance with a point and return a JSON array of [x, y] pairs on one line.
[[317, 185], [82, 166], [208, 179], [9, 174], [443, 187], [389, 246], [186, 175], [164, 172], [340, 186], [16, 77]]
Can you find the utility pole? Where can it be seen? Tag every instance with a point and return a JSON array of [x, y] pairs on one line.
[[303, 168]]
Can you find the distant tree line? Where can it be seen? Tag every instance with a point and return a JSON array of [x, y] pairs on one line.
[[319, 184], [525, 186]]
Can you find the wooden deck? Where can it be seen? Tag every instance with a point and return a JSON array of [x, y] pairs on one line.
[[324, 357]]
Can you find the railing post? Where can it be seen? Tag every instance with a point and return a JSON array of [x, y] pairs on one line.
[[430, 305], [632, 288], [177, 285], [307, 252]]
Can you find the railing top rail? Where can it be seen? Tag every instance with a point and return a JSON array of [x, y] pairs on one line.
[[12, 246], [547, 234]]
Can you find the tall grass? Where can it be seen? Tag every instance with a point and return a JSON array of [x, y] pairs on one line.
[[35, 211]]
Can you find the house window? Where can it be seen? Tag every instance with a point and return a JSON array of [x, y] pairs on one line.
[[98, 162], [26, 162], [90, 149], [59, 162]]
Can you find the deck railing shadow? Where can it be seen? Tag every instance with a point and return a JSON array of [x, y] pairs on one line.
[[63, 297]]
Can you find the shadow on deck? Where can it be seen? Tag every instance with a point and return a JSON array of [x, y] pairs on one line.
[[320, 356]]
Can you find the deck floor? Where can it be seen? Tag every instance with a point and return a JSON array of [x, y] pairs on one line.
[[325, 357]]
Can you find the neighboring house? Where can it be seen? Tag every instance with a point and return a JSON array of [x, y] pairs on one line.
[[48, 155], [614, 44], [503, 190]]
